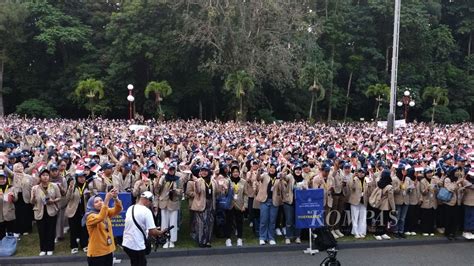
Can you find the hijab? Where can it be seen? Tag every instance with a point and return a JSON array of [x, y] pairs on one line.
[[385, 179], [90, 209]]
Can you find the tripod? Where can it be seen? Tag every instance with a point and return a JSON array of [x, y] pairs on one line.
[[331, 259]]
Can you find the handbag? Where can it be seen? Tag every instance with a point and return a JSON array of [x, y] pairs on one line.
[[147, 241], [444, 195], [225, 201]]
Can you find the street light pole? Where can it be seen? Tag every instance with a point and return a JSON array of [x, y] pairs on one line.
[[130, 100], [393, 79]]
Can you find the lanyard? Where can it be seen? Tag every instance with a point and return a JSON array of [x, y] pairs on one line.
[[47, 189], [170, 183], [273, 180], [81, 190], [209, 186], [236, 187], [6, 188]]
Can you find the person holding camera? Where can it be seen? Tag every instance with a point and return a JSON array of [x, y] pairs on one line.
[[169, 191], [99, 226], [139, 224], [76, 196]]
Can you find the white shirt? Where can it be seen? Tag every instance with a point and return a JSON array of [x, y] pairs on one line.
[[132, 237]]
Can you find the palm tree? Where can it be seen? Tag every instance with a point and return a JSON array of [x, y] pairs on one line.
[[317, 94], [240, 83], [381, 92], [90, 89], [161, 90], [439, 96]]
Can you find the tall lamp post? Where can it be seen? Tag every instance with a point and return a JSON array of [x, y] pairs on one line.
[[130, 100], [406, 101]]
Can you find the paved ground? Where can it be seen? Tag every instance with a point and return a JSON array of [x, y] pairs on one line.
[[442, 254]]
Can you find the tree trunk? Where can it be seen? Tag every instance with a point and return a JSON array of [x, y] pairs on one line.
[[387, 61], [433, 113], [378, 110], [469, 44], [200, 109], [91, 105], [315, 110], [332, 83], [241, 112], [2, 110], [347, 96], [311, 107]]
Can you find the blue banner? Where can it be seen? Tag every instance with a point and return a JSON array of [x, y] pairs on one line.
[[309, 208], [118, 222]]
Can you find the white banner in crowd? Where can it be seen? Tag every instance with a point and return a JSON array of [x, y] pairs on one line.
[[137, 127], [398, 123]]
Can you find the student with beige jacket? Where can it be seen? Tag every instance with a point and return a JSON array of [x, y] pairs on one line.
[[45, 197], [386, 206], [169, 189], [7, 208], [358, 198], [239, 203], [270, 198], [77, 195], [290, 183], [429, 203]]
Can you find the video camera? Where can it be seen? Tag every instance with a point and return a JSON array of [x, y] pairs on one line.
[[164, 237]]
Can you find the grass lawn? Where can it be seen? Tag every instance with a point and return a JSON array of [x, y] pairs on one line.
[[29, 245]]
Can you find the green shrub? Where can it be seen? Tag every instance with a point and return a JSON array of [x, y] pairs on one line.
[[36, 108]]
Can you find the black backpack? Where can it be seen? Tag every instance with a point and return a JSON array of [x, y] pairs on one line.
[[323, 239]]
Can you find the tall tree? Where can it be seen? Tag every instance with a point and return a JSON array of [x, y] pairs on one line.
[[381, 92], [12, 18], [90, 90], [439, 97], [240, 83], [161, 90]]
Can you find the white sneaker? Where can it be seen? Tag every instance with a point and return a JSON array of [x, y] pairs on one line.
[[49, 253], [378, 237], [56, 240], [357, 236], [426, 234], [85, 249], [166, 245], [298, 240], [440, 230], [287, 241], [362, 236], [42, 253], [283, 231], [116, 261], [251, 224], [336, 236], [272, 242], [278, 232], [413, 233], [339, 233], [432, 234], [386, 237], [25, 233], [228, 243], [261, 242], [16, 235], [171, 245], [407, 233], [467, 235], [74, 250], [239, 242]]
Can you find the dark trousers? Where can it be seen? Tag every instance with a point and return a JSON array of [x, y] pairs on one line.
[[441, 216], [412, 218], [381, 221], [453, 222], [6, 227], [47, 231], [337, 211], [77, 231], [106, 260], [427, 220], [137, 257], [233, 216], [250, 210], [24, 216]]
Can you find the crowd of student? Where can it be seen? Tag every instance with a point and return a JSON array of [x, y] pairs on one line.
[[234, 175]]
